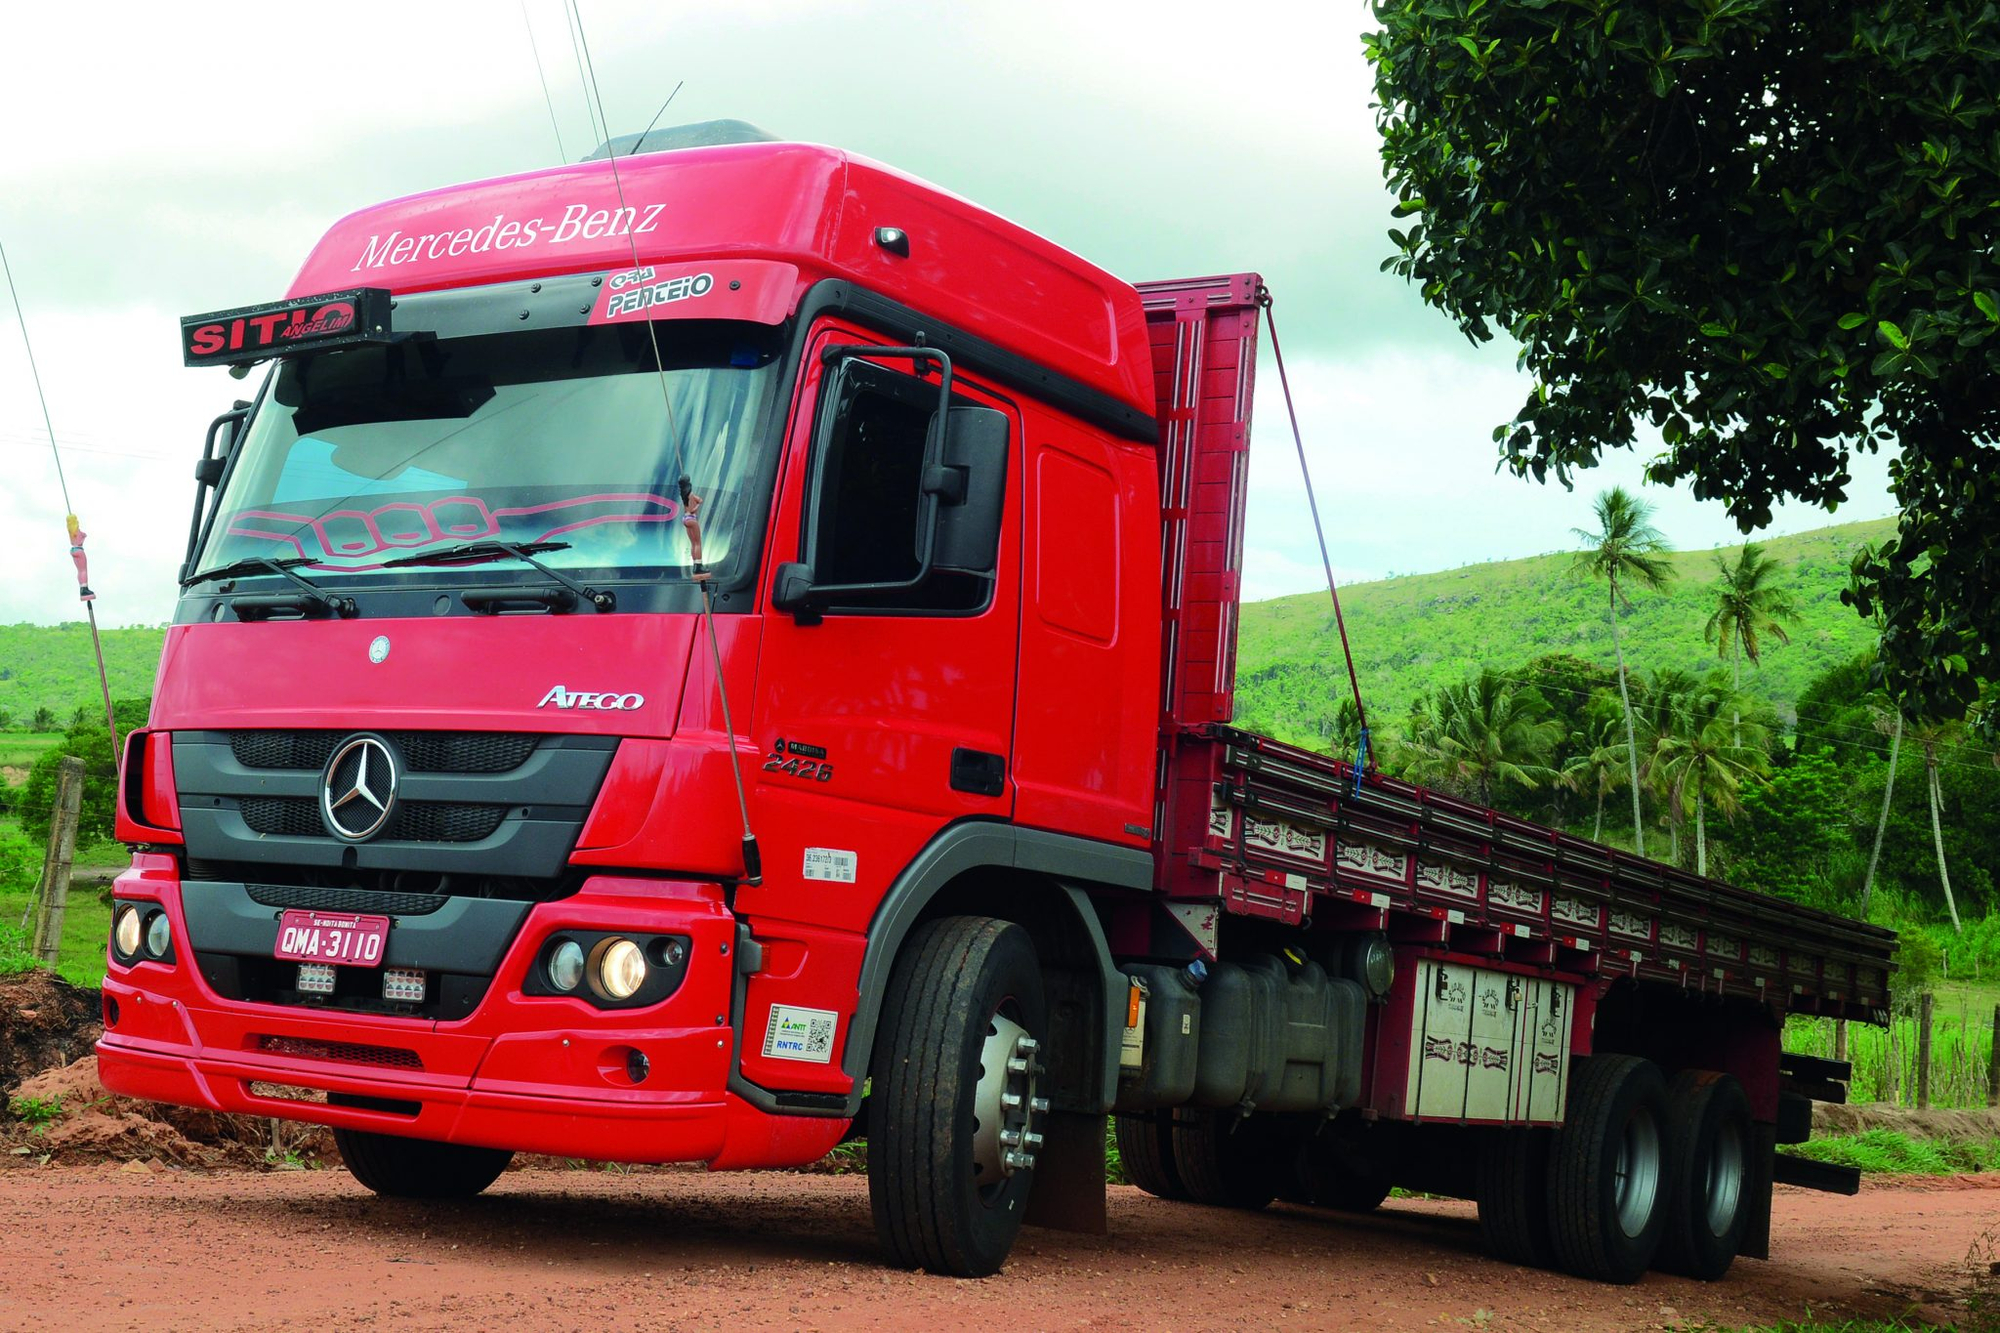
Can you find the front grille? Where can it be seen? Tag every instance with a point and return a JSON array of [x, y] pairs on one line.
[[413, 821], [284, 816], [342, 1052], [421, 751], [318, 899]]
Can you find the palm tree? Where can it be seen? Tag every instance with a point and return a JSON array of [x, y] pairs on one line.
[[45, 719], [1599, 765], [1888, 790], [1703, 755], [1749, 606], [1931, 736], [1658, 700], [1482, 729], [1627, 547]]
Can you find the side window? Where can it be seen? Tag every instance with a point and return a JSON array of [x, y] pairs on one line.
[[867, 526], [871, 487]]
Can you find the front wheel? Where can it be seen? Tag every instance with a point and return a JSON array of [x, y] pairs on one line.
[[400, 1168], [954, 1104], [1609, 1168]]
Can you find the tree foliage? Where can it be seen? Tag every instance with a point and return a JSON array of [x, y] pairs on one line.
[[1763, 228], [88, 740]]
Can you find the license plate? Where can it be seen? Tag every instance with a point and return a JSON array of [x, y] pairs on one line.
[[343, 939]]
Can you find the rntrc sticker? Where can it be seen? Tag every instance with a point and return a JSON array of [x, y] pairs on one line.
[[830, 863], [800, 1034]]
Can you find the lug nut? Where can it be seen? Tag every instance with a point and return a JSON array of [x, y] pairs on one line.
[[1010, 1101], [1039, 1106]]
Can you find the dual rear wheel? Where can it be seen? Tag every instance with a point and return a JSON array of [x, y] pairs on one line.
[[1642, 1174]]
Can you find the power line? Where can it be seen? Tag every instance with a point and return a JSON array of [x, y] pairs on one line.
[[562, 154]]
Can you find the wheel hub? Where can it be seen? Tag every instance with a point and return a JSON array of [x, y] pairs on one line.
[[1636, 1174], [1005, 1107]]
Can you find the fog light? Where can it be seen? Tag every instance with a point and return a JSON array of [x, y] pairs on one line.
[[620, 968], [159, 935], [125, 931], [637, 1066], [566, 965]]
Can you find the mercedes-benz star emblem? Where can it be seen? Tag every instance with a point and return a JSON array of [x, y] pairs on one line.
[[378, 649], [358, 793]]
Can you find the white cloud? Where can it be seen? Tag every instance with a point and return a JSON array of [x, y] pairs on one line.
[[190, 163]]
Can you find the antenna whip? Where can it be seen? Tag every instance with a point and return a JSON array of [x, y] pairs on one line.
[[76, 533]]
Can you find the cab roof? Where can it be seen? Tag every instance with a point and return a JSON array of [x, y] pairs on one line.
[[809, 206]]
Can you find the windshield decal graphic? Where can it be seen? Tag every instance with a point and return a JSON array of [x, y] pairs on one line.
[[353, 534]]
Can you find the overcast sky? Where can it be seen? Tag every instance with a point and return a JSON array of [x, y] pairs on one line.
[[158, 160]]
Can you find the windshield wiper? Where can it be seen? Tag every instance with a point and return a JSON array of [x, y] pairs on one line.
[[491, 549], [287, 568]]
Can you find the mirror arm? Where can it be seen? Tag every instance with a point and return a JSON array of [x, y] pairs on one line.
[[208, 475]]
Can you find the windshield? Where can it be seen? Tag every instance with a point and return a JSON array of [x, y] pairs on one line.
[[360, 455]]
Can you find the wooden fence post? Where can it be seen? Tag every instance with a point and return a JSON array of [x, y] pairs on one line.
[[1840, 1039], [1993, 1062], [1890, 1072], [61, 860], [1924, 1007]]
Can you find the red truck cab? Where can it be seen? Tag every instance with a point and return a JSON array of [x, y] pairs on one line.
[[693, 655]]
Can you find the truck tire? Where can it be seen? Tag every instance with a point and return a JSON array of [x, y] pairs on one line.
[[400, 1168], [1145, 1146], [1610, 1169], [1325, 1180], [954, 1102], [1513, 1194], [1221, 1163], [1708, 1201]]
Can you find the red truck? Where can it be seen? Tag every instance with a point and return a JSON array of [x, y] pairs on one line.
[[701, 654]]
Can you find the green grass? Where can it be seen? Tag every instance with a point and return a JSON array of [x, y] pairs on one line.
[[20, 749], [51, 666], [86, 926], [1414, 632], [1890, 1152]]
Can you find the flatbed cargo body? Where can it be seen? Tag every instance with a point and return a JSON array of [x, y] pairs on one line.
[[698, 656]]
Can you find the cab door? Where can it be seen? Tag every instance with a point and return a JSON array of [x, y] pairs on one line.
[[880, 717]]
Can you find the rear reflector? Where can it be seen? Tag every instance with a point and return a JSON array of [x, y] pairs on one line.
[[315, 978]]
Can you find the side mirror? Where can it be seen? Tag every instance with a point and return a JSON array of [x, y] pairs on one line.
[[793, 589], [970, 483]]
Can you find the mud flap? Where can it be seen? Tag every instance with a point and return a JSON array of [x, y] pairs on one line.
[[1069, 1175], [1763, 1160]]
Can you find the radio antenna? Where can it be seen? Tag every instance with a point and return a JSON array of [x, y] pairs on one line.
[[562, 154], [753, 861], [76, 533]]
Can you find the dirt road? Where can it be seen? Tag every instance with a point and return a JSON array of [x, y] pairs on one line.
[[112, 1247]]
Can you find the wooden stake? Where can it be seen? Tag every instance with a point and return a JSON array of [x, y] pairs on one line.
[[61, 860], [1993, 1063], [1840, 1039], [1924, 1008]]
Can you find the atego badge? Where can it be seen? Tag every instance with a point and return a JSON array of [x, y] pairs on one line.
[[259, 332]]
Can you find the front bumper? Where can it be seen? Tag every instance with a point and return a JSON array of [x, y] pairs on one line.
[[535, 1073]]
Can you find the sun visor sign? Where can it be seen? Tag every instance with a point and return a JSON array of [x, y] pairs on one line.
[[259, 332], [758, 290]]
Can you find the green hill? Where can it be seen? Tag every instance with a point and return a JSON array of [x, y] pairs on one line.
[[51, 666], [1409, 633], [1418, 631]]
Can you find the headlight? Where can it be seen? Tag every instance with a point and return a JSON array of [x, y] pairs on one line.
[[126, 931], [620, 969], [159, 935], [566, 965]]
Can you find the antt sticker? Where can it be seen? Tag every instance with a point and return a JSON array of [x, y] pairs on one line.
[[800, 1034]]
